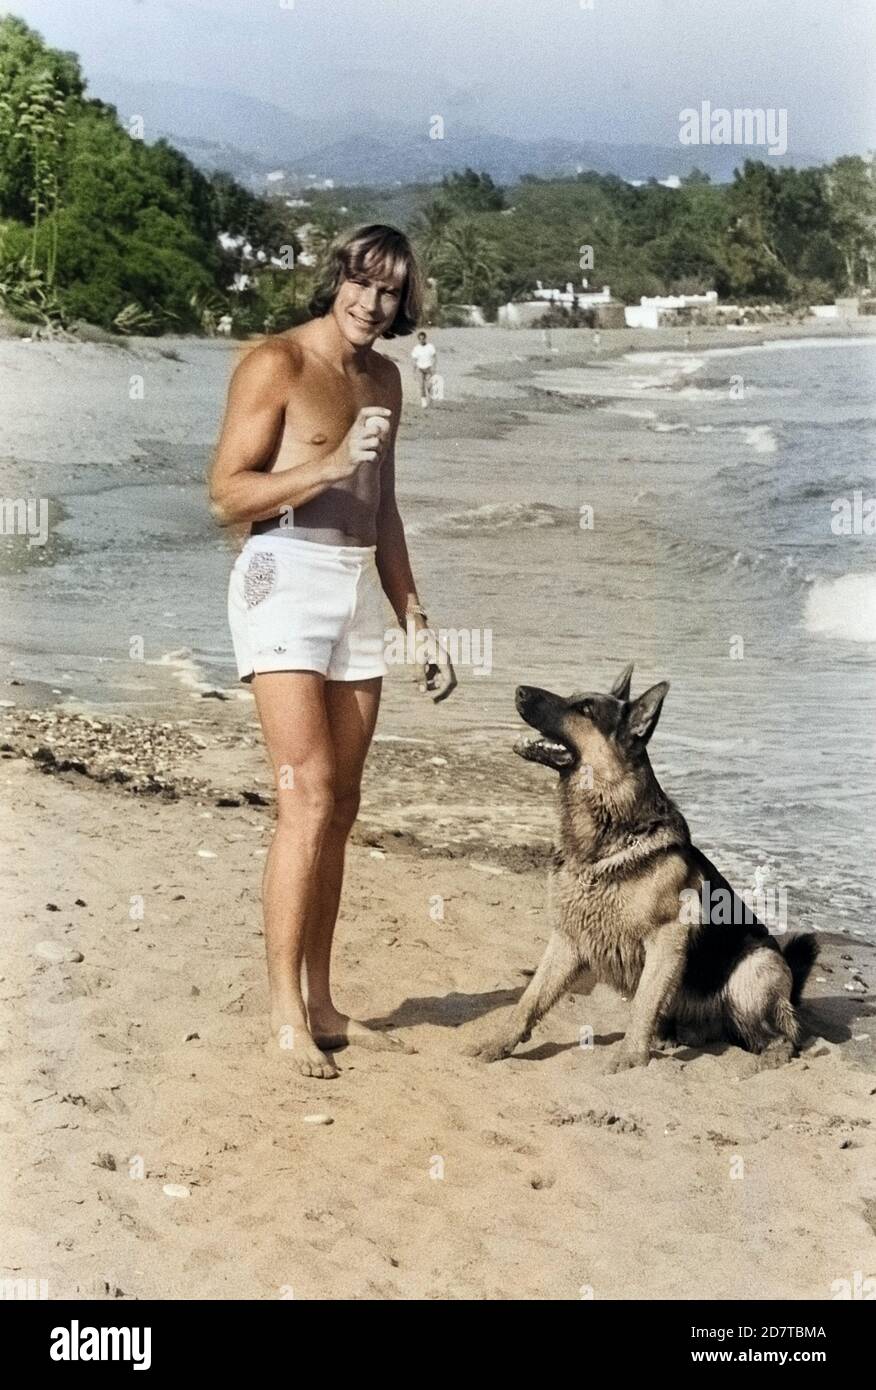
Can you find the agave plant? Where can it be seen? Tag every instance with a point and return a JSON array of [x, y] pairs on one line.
[[133, 318], [27, 296], [208, 306]]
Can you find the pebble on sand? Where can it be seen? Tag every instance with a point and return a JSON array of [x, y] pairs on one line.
[[57, 953], [175, 1189], [317, 1119]]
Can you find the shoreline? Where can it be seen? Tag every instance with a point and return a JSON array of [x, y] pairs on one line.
[[221, 763]]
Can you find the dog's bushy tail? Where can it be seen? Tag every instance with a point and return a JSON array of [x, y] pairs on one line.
[[801, 953]]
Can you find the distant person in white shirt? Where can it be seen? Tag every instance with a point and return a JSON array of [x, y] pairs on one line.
[[424, 355]]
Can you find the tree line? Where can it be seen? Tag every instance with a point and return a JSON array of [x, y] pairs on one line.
[[98, 225]]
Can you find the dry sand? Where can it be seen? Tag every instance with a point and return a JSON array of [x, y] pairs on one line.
[[142, 1065]]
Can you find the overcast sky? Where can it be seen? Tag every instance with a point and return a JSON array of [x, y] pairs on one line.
[[620, 71]]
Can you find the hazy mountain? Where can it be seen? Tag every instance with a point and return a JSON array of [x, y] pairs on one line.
[[414, 157], [219, 117], [221, 129]]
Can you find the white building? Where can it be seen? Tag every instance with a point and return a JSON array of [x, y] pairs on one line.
[[662, 308], [673, 181], [572, 298], [520, 314]]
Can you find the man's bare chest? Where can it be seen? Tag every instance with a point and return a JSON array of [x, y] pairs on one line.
[[321, 413]]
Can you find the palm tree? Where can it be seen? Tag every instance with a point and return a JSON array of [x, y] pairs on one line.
[[466, 263], [429, 226]]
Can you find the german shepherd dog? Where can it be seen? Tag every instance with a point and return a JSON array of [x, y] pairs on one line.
[[634, 899]]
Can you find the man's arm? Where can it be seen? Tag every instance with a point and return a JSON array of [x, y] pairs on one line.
[[393, 562], [263, 385], [436, 675]]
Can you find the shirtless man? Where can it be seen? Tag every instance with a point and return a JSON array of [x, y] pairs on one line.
[[306, 457]]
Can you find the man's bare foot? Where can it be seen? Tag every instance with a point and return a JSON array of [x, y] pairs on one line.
[[293, 1043], [333, 1029]]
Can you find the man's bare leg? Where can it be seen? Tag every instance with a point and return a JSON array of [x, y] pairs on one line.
[[351, 709], [291, 706]]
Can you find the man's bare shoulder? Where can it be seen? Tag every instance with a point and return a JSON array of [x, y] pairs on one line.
[[279, 351], [270, 365]]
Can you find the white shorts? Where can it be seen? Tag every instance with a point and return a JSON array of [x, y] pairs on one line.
[[302, 606]]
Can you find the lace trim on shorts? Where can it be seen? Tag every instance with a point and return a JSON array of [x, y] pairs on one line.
[[258, 581]]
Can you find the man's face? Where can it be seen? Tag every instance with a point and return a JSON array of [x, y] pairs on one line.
[[366, 305]]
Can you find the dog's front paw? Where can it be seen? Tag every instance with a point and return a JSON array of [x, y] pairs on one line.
[[776, 1054], [491, 1049], [625, 1058]]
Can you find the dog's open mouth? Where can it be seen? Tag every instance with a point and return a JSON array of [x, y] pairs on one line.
[[544, 750]]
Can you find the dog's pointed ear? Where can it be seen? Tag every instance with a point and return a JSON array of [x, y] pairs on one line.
[[621, 688], [644, 712]]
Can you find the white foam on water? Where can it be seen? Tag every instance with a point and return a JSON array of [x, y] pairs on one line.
[[490, 518], [624, 386], [184, 669], [701, 393], [843, 607], [790, 345], [632, 413], [761, 438], [682, 362]]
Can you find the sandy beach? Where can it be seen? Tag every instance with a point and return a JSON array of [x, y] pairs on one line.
[[150, 1147]]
